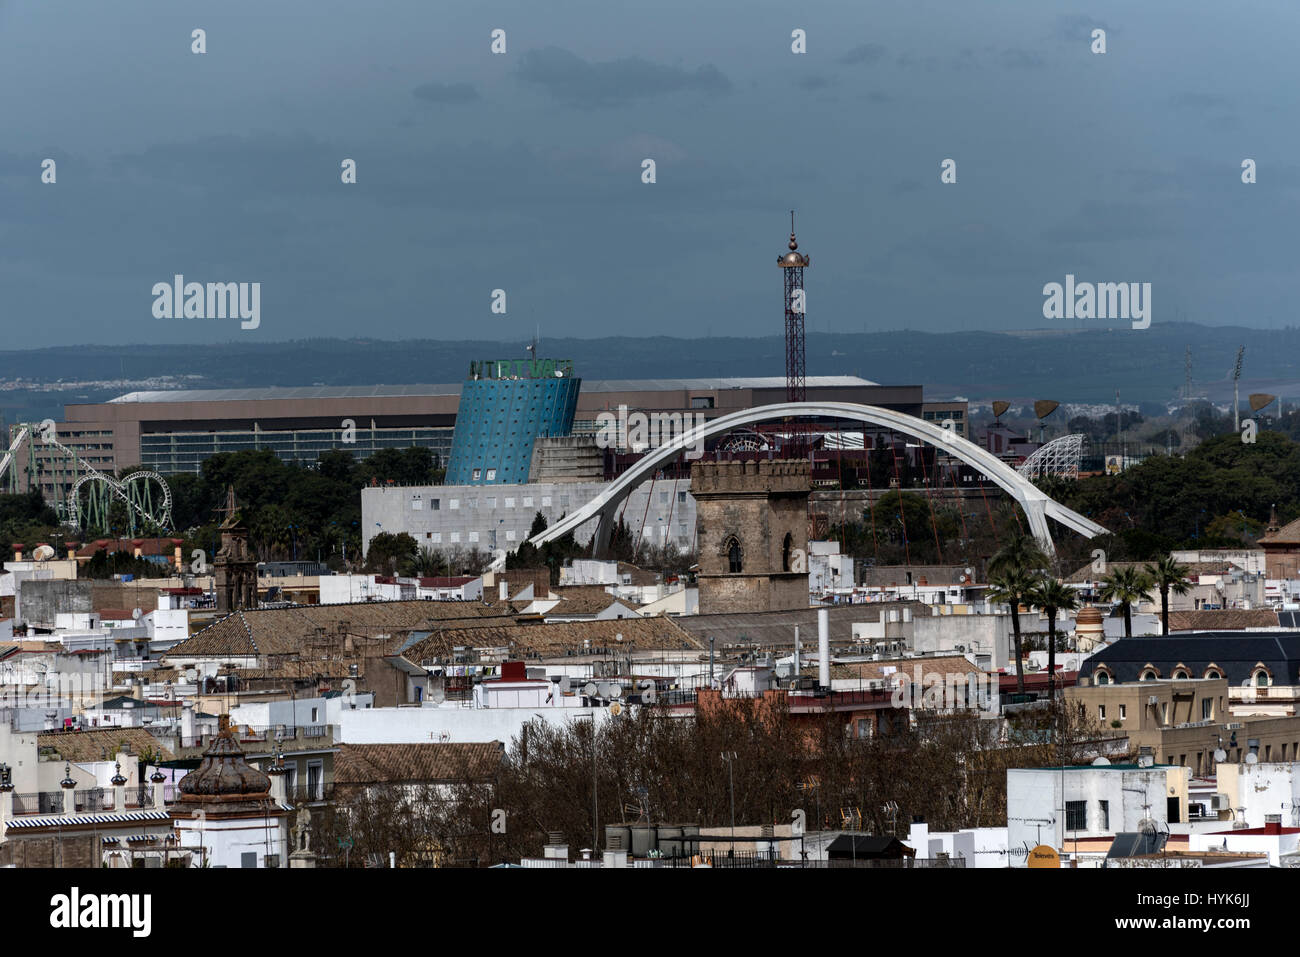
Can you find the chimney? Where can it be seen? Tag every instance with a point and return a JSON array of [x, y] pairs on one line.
[[823, 647], [137, 547], [72, 550], [176, 553], [187, 719], [18, 551], [556, 849], [503, 593]]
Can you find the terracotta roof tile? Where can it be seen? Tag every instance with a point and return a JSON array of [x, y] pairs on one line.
[[362, 764], [557, 637], [102, 744], [1222, 619]]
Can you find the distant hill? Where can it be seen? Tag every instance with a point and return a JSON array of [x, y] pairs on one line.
[[1072, 366]]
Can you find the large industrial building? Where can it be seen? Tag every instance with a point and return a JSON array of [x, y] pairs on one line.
[[175, 431]]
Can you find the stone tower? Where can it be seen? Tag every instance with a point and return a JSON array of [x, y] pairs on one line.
[[752, 519], [236, 566]]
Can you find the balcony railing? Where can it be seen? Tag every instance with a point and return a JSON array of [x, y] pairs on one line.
[[267, 735], [93, 800], [141, 796], [309, 794], [40, 802]]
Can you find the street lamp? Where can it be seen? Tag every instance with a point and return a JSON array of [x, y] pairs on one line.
[[730, 757]]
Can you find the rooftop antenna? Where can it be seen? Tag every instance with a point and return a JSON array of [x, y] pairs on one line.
[[1236, 375]]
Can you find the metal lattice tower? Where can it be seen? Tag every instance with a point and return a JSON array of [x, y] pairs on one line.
[[1059, 457], [792, 266]]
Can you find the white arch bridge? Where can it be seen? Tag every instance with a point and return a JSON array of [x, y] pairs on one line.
[[1037, 505]]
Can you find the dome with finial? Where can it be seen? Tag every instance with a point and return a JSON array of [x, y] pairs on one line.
[[792, 259], [223, 772]]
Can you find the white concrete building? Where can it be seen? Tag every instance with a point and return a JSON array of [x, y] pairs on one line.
[[1078, 810]]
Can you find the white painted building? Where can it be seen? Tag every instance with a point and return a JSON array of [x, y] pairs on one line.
[[1078, 810]]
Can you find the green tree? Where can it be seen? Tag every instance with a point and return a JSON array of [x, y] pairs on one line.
[[1014, 586], [1126, 585], [1052, 596], [389, 553], [1168, 576]]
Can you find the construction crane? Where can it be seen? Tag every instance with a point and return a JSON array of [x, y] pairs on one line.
[[144, 493], [1236, 376]]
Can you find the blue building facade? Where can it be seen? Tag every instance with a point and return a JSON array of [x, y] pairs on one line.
[[505, 406]]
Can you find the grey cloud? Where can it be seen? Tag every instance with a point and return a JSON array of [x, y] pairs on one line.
[[582, 83], [446, 92], [866, 53]]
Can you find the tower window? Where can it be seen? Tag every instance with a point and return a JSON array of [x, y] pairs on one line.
[[734, 564]]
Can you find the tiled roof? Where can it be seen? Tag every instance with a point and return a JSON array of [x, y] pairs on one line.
[[359, 764], [1235, 654], [1087, 574], [102, 744], [585, 600], [283, 631], [1222, 619], [557, 637], [776, 628], [1288, 534], [946, 665]]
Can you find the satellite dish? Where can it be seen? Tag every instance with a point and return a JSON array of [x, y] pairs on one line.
[[137, 614], [437, 696], [604, 689], [590, 689], [191, 675], [970, 571], [1252, 758], [1000, 406], [1260, 399], [616, 709], [615, 690], [1220, 754], [1100, 762], [1045, 407], [43, 553]]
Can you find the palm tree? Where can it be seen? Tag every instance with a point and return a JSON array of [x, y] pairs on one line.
[[1013, 586], [1022, 552], [1168, 576], [1127, 585], [1053, 596], [427, 562]]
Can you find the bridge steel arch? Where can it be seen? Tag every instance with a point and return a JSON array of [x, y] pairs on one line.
[[1037, 505]]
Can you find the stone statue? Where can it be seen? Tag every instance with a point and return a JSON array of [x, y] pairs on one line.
[[302, 830]]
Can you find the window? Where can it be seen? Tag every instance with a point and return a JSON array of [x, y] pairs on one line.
[[1101, 712], [1207, 709], [454, 504], [433, 505], [701, 402], [473, 536], [733, 556], [1261, 678], [490, 502], [1123, 711], [477, 474], [1212, 673], [315, 715], [492, 475], [663, 498], [416, 504], [528, 501], [546, 501], [1102, 678], [455, 538], [1181, 674], [315, 781], [681, 498], [273, 860], [1076, 815], [1104, 808], [785, 552], [437, 538], [248, 859], [510, 503], [510, 535], [1148, 675]]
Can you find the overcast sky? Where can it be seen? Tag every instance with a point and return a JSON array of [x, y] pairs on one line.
[[522, 171]]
